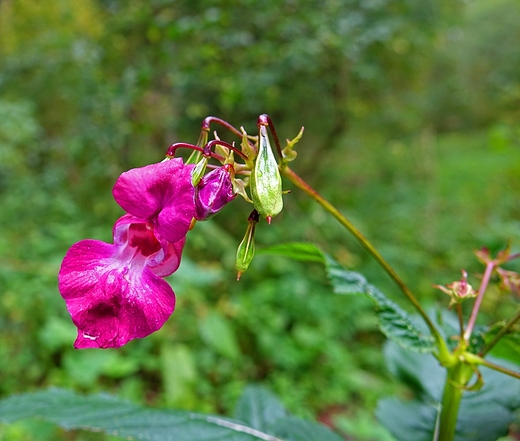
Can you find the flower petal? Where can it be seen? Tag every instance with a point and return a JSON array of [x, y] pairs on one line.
[[112, 298], [161, 193]]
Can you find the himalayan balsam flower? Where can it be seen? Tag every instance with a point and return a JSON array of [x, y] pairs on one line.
[[115, 293], [213, 192]]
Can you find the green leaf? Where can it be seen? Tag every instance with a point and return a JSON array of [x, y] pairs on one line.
[[179, 374], [343, 281], [421, 372], [264, 417], [393, 321], [261, 410], [258, 408], [296, 429], [218, 333], [307, 252], [508, 347], [397, 325], [120, 418], [408, 420]]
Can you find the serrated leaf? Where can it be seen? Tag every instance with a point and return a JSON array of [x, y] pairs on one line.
[[258, 408], [307, 252], [120, 418], [393, 321], [397, 325], [343, 281]]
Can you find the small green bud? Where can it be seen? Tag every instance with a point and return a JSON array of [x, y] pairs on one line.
[[198, 171], [246, 249], [266, 182]]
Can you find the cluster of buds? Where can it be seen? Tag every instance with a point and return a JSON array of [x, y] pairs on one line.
[[253, 165]]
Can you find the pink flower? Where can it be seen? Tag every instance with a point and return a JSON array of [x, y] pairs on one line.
[[161, 194], [115, 293]]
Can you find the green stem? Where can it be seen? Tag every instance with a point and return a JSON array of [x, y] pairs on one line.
[[302, 185], [457, 378], [499, 368], [500, 333]]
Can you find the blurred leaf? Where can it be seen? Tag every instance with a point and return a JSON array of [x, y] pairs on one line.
[[408, 420], [218, 333], [261, 410], [258, 408], [178, 374], [421, 372], [508, 346], [296, 250], [57, 333], [118, 417], [87, 365], [343, 281], [296, 429]]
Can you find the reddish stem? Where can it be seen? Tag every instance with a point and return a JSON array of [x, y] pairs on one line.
[[265, 120], [490, 266], [209, 119]]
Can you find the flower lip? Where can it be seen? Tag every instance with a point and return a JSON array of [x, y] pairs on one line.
[[114, 292]]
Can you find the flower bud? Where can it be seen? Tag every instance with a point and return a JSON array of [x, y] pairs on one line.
[[459, 290], [198, 171], [213, 192], [266, 182], [246, 249]]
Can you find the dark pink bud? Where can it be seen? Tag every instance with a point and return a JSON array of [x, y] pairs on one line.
[[213, 192]]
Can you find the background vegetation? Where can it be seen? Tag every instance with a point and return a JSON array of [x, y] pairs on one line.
[[411, 113]]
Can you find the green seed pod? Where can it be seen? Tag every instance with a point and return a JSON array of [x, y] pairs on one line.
[[246, 249], [266, 182]]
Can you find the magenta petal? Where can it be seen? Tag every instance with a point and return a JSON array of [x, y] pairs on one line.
[[112, 296], [161, 193]]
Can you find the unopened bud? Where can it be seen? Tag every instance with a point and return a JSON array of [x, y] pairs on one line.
[[246, 249], [266, 182], [459, 290], [198, 171], [213, 192]]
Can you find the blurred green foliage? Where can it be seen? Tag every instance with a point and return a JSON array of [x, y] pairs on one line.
[[411, 115]]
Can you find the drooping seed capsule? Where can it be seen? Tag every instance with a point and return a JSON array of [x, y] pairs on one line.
[[213, 192], [246, 249], [266, 182]]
